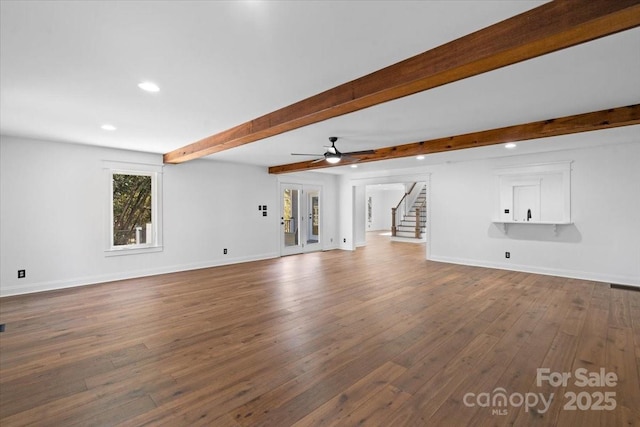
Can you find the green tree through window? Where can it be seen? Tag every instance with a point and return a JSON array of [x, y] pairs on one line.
[[287, 204], [131, 209]]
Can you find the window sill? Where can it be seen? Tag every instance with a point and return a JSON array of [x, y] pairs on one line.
[[132, 250]]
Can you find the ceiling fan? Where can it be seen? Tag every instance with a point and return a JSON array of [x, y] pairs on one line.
[[333, 155]]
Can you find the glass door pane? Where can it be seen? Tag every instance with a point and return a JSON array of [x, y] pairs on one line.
[[313, 209], [290, 219]]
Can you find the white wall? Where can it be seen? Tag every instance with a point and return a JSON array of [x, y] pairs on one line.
[[52, 218], [347, 216], [52, 215], [360, 235], [602, 243]]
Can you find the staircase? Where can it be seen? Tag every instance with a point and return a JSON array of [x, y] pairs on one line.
[[406, 227]]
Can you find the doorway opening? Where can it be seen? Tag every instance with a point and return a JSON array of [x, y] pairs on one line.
[[395, 210]]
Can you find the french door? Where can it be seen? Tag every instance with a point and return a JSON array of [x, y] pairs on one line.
[[300, 218]]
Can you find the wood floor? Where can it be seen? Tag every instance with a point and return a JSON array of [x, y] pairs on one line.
[[376, 337]]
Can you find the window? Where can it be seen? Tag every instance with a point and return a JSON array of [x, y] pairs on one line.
[[134, 210]]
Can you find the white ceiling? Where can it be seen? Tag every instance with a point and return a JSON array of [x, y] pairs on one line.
[[67, 67]]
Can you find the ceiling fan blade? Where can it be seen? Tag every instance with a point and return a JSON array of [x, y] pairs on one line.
[[357, 153], [334, 156]]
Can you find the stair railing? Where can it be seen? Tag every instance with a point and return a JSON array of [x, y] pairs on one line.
[[394, 211]]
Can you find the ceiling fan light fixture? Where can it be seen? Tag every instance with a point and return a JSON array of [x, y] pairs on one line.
[[333, 159]]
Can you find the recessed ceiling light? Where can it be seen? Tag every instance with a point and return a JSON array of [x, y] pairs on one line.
[[420, 157], [510, 145], [354, 166], [149, 86], [107, 126]]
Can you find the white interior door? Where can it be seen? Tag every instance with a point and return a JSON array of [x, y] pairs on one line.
[[300, 218]]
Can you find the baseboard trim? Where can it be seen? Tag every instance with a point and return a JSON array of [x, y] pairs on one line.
[[633, 282], [94, 280]]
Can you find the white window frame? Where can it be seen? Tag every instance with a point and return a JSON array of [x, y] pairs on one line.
[[155, 172]]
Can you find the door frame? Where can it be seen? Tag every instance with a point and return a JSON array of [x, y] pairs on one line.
[[303, 217]]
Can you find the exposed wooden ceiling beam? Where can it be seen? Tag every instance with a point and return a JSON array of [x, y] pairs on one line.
[[614, 117], [548, 28]]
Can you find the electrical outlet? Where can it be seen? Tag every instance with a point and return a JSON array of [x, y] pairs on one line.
[[507, 254], [224, 251], [22, 274], [344, 240]]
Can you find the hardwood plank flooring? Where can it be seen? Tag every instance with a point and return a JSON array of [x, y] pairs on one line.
[[376, 337]]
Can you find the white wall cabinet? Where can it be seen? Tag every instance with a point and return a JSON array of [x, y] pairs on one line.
[[534, 194]]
